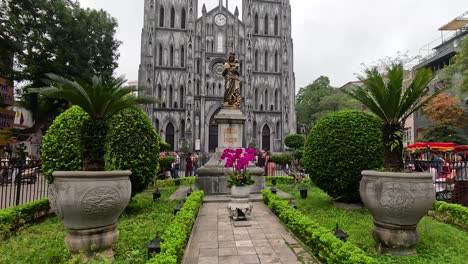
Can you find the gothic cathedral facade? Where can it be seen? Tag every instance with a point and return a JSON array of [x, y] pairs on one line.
[[182, 58]]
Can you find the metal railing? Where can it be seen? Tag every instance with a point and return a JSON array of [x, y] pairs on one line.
[[450, 178], [21, 182]]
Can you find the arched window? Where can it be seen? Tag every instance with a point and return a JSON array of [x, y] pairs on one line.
[[265, 30], [198, 88], [171, 58], [182, 129], [181, 96], [170, 96], [265, 99], [278, 130], [256, 99], [256, 24], [161, 16], [266, 61], [220, 93], [266, 138], [207, 88], [276, 100], [276, 61], [213, 90], [182, 19], [156, 125], [160, 55], [198, 65], [172, 17], [182, 56], [159, 91], [170, 132], [256, 60], [276, 25]]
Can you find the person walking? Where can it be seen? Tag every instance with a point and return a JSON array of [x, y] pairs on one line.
[[175, 165], [189, 165]]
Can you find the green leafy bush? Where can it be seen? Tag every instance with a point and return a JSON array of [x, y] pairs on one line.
[[451, 213], [165, 162], [61, 146], [176, 235], [164, 146], [338, 148], [132, 144], [298, 154], [281, 159], [294, 141], [321, 241], [11, 219], [171, 182]]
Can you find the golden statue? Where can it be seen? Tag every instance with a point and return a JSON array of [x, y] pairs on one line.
[[231, 74]]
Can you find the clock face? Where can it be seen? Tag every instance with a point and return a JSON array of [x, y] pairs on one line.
[[220, 20]]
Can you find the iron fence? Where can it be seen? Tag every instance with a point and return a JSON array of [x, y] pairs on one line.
[[21, 182], [450, 178]]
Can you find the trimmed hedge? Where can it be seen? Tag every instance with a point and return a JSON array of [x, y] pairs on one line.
[[285, 180], [166, 162], [294, 141], [320, 240], [132, 144], [281, 159], [451, 213], [171, 182], [11, 219], [338, 148], [177, 234]]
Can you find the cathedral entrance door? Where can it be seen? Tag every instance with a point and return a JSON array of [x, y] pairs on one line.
[[170, 135]]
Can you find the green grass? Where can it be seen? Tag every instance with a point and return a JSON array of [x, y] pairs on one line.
[[44, 242], [439, 242]]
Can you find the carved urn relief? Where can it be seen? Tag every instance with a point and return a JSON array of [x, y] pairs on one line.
[[397, 202]]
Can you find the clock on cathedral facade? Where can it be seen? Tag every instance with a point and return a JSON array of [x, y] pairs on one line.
[[182, 59]]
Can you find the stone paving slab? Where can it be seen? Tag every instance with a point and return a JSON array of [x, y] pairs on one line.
[[215, 239]]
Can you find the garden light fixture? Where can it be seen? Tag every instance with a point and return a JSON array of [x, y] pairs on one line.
[[292, 204], [156, 194], [273, 190], [154, 247], [273, 181], [177, 208], [340, 234]]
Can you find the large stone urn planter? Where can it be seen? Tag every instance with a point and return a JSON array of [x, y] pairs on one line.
[[397, 202], [240, 207], [90, 203]]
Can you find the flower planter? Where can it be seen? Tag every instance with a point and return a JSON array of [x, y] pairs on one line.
[[397, 202], [240, 208], [90, 203]]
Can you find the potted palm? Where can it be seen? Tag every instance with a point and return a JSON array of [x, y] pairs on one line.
[[396, 199], [239, 180], [90, 201]]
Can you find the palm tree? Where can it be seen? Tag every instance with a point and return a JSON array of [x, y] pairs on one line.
[[387, 98], [100, 99]]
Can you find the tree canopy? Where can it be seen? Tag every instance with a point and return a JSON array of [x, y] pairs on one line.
[[320, 98], [445, 110], [54, 36]]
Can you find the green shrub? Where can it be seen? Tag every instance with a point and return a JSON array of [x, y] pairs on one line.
[[11, 219], [298, 154], [164, 146], [285, 180], [338, 148], [451, 213], [132, 144], [176, 235], [165, 162], [294, 141], [320, 240], [281, 159], [171, 182], [61, 146]]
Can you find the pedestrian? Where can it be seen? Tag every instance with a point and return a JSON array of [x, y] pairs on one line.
[[175, 166], [188, 165], [270, 165]]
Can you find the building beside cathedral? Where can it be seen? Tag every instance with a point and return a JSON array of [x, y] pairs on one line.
[[182, 57]]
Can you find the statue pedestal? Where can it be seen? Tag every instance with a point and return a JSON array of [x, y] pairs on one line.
[[211, 177]]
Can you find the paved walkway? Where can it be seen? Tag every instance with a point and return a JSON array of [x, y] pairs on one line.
[[216, 239]]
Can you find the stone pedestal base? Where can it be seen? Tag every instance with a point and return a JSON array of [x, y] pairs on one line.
[[240, 209], [394, 239], [92, 241]]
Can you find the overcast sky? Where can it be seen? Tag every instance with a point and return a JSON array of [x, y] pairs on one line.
[[331, 37]]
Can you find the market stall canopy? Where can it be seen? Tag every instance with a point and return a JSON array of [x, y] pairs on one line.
[[461, 148], [436, 146]]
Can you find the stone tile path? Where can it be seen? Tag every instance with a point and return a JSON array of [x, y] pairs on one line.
[[216, 239]]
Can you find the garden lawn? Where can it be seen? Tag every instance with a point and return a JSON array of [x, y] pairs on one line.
[[440, 243], [44, 242]]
